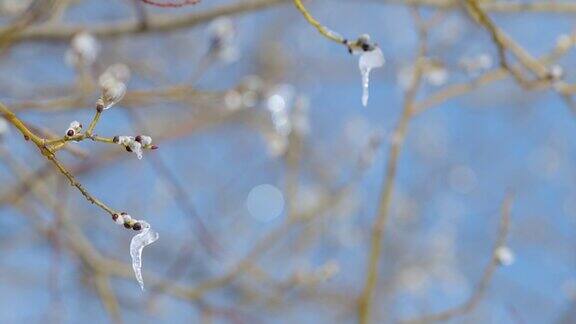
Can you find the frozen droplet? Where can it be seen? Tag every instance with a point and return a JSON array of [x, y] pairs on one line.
[[368, 61], [139, 241], [136, 147]]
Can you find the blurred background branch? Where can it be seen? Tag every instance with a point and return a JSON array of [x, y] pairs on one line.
[[277, 197]]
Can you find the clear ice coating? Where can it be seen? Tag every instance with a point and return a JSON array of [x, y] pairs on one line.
[[368, 61], [139, 241], [333, 34]]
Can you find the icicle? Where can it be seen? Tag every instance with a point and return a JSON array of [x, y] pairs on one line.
[[139, 241], [368, 61]]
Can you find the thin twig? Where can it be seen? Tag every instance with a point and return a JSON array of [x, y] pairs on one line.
[[487, 274], [49, 154], [156, 23], [323, 30], [385, 199]]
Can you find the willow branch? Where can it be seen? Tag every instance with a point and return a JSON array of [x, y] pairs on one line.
[[385, 200], [511, 7], [323, 30], [155, 23], [50, 155]]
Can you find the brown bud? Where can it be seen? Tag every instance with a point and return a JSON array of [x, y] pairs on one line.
[[115, 217], [99, 105], [137, 226], [115, 139], [138, 139], [127, 225], [128, 149], [154, 147], [70, 132]]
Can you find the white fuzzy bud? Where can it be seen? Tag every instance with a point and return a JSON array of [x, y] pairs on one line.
[[84, 49], [74, 128], [222, 38], [504, 256], [556, 72], [145, 140], [112, 92], [119, 219], [125, 140], [75, 125], [119, 72], [126, 218]]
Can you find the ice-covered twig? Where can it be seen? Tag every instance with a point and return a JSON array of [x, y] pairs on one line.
[[370, 54], [139, 241], [325, 31], [135, 144]]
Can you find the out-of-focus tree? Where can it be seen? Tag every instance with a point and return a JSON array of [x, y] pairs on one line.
[[287, 161]]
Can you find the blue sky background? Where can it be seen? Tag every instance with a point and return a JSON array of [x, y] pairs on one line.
[[512, 141]]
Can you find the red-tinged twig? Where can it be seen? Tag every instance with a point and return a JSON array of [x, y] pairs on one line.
[[170, 4]]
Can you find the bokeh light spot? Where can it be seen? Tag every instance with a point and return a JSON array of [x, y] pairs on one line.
[[265, 202]]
